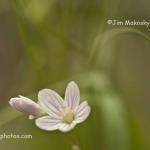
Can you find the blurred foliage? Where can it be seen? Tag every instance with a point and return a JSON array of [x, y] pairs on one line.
[[63, 34], [65, 40]]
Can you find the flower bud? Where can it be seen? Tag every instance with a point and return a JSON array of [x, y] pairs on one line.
[[24, 104]]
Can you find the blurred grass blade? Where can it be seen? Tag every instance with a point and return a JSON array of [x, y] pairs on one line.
[[114, 121], [103, 39]]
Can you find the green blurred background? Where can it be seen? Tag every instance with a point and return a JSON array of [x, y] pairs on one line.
[[46, 44]]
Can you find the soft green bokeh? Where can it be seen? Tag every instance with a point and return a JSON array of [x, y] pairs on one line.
[[64, 40]]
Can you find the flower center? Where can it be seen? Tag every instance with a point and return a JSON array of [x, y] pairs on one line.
[[68, 116]]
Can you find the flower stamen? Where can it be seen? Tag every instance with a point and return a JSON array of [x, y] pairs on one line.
[[68, 116]]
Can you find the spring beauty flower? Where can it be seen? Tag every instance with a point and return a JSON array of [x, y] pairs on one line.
[[26, 105], [65, 114]]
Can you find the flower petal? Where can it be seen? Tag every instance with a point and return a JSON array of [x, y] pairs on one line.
[[66, 127], [52, 103], [26, 105], [47, 123], [72, 95], [82, 112]]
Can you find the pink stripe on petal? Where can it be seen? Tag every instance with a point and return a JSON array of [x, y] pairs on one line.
[[52, 103], [66, 127], [47, 123], [82, 112], [72, 95]]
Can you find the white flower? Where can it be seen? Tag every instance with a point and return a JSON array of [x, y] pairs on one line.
[[62, 114], [24, 104]]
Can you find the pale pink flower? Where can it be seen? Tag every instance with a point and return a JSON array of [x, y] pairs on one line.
[[64, 114]]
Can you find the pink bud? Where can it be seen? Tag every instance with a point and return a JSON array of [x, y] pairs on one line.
[[24, 104]]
